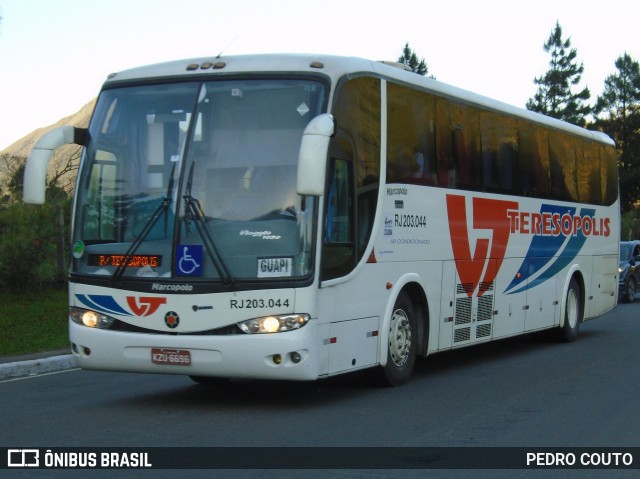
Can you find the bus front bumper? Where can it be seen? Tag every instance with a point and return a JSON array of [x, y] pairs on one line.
[[289, 355]]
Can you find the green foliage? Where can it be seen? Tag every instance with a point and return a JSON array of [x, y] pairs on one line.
[[30, 239], [620, 101], [555, 97], [11, 174], [33, 322], [410, 59], [630, 225]]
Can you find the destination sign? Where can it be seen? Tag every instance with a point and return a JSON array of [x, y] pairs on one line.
[[133, 261]]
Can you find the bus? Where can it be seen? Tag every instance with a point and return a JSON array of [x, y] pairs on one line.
[[296, 217]]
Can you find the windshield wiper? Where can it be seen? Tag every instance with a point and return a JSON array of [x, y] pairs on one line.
[[163, 207], [194, 210]]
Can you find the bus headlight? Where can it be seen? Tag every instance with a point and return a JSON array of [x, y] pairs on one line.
[[90, 319], [274, 324]]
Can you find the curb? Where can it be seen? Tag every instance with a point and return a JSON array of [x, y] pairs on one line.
[[34, 367]]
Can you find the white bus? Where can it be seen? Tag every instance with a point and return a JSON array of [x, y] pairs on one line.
[[297, 217]]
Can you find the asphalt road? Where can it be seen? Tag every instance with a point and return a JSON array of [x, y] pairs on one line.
[[524, 392]]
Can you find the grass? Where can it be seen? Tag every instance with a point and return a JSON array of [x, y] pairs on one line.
[[35, 322]]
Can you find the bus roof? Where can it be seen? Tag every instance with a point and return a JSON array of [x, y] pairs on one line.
[[335, 67]]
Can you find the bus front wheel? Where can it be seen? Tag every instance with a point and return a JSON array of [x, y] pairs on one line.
[[209, 380], [402, 343]]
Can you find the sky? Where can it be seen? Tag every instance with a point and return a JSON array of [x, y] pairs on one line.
[[55, 54]]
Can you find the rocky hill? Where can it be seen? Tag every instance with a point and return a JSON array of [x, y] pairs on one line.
[[23, 146]]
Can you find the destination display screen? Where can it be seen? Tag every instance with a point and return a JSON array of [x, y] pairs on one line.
[[133, 261]]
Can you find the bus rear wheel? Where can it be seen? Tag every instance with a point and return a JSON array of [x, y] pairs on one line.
[[402, 343], [572, 313]]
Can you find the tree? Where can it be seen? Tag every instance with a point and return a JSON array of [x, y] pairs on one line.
[[620, 105], [60, 178], [11, 173], [555, 97], [410, 59]]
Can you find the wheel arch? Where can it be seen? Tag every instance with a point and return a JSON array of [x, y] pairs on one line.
[[411, 284]]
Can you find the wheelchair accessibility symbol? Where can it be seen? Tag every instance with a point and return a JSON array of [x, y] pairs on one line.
[[189, 260]]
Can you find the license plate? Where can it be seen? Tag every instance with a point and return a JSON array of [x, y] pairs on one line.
[[172, 357], [275, 267]]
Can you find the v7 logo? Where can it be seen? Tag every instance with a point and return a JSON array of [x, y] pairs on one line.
[[488, 215], [145, 305]]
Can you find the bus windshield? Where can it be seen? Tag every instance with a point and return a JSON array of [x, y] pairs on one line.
[[197, 181]]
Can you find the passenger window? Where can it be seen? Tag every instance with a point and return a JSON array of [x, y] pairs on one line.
[[533, 158], [410, 136], [608, 172], [444, 145], [589, 188], [563, 166], [464, 124], [499, 152]]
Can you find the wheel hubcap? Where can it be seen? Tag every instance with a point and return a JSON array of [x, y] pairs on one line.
[[572, 308], [399, 337]]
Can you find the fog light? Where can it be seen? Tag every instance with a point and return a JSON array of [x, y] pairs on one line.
[[277, 359], [295, 357]]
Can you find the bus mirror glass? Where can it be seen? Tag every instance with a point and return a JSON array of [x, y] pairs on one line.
[[313, 155], [35, 171]]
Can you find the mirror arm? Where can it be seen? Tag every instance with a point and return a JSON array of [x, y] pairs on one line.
[[35, 171]]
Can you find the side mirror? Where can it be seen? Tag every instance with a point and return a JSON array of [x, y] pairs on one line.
[[35, 171], [312, 161]]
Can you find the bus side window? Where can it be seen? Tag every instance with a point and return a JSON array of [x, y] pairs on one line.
[[589, 188], [533, 160], [338, 248], [499, 138], [464, 123], [563, 167], [338, 220], [608, 172], [410, 136]]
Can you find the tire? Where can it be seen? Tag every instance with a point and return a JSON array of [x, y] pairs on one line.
[[572, 314], [402, 344], [630, 288], [210, 381]]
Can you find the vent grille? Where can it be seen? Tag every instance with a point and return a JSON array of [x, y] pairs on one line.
[[462, 334], [485, 308], [463, 310], [464, 288], [473, 315], [483, 330], [484, 286]]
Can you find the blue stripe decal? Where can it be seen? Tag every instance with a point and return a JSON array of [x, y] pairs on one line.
[[541, 251], [538, 256], [102, 303]]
